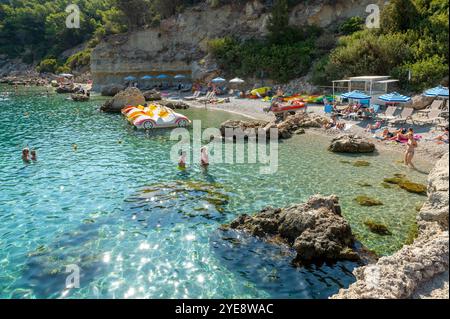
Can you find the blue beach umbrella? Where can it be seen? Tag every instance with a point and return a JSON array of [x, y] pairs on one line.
[[130, 78], [146, 77], [218, 80], [356, 95], [162, 77], [438, 91], [395, 97]]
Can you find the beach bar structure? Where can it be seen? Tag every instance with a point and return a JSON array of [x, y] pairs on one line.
[[373, 85]]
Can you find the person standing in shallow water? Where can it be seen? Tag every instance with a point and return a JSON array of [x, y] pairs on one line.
[[33, 155], [182, 161], [411, 149], [204, 157], [26, 155]]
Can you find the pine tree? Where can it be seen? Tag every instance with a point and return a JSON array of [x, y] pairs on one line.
[[278, 26]]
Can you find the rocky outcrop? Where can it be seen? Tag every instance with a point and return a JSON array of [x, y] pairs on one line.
[[415, 270], [112, 89], [242, 129], [420, 102], [293, 124], [437, 207], [351, 144], [174, 105], [131, 96], [179, 44], [152, 95], [79, 97], [315, 229]]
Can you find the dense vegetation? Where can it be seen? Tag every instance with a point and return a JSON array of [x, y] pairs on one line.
[[412, 44], [286, 53]]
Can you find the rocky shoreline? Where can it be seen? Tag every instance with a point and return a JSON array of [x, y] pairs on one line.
[[418, 270]]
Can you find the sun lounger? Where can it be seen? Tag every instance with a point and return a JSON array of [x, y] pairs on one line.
[[435, 115], [208, 98], [389, 114], [436, 105], [193, 97], [404, 116]]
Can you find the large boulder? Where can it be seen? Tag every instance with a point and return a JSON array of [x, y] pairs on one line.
[[174, 105], [246, 128], [351, 144], [131, 96], [420, 102], [112, 89], [315, 229], [152, 95]]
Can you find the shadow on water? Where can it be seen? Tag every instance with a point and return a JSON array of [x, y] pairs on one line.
[[45, 271], [268, 267], [168, 204]]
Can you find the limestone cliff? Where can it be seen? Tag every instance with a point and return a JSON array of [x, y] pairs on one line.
[[419, 270], [179, 44]]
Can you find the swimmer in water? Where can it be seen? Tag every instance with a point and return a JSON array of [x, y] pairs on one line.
[[74, 147], [33, 155], [26, 155], [204, 157], [182, 160]]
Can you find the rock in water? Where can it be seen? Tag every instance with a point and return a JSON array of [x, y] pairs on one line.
[[351, 144], [131, 96], [152, 95], [315, 229], [112, 89]]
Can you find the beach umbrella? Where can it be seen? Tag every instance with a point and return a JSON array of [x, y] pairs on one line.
[[438, 91], [218, 80], [356, 95], [237, 81], [130, 78], [179, 77], [395, 97], [162, 77], [147, 77]]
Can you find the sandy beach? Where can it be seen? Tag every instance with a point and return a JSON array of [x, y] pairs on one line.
[[428, 150]]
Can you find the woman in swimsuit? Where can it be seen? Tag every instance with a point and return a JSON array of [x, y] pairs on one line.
[[410, 150]]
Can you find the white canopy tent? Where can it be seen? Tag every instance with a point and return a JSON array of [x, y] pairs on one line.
[[370, 82]]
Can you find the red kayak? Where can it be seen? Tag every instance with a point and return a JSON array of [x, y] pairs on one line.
[[296, 105]]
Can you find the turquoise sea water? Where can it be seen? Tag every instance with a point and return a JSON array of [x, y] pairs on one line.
[[139, 228]]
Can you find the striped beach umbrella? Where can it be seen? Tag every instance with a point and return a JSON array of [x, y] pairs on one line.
[[438, 91], [356, 95], [395, 97]]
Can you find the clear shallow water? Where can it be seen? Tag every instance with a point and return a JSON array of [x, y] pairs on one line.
[[139, 228]]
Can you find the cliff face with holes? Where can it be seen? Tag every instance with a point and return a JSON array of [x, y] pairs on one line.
[[419, 270], [179, 44]]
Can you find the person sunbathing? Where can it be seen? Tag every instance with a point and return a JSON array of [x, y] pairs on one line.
[[374, 127], [400, 135], [334, 124], [443, 137]]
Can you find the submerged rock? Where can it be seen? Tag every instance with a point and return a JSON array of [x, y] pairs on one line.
[[377, 228], [361, 164], [368, 201], [131, 96], [351, 144], [406, 184], [315, 229]]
